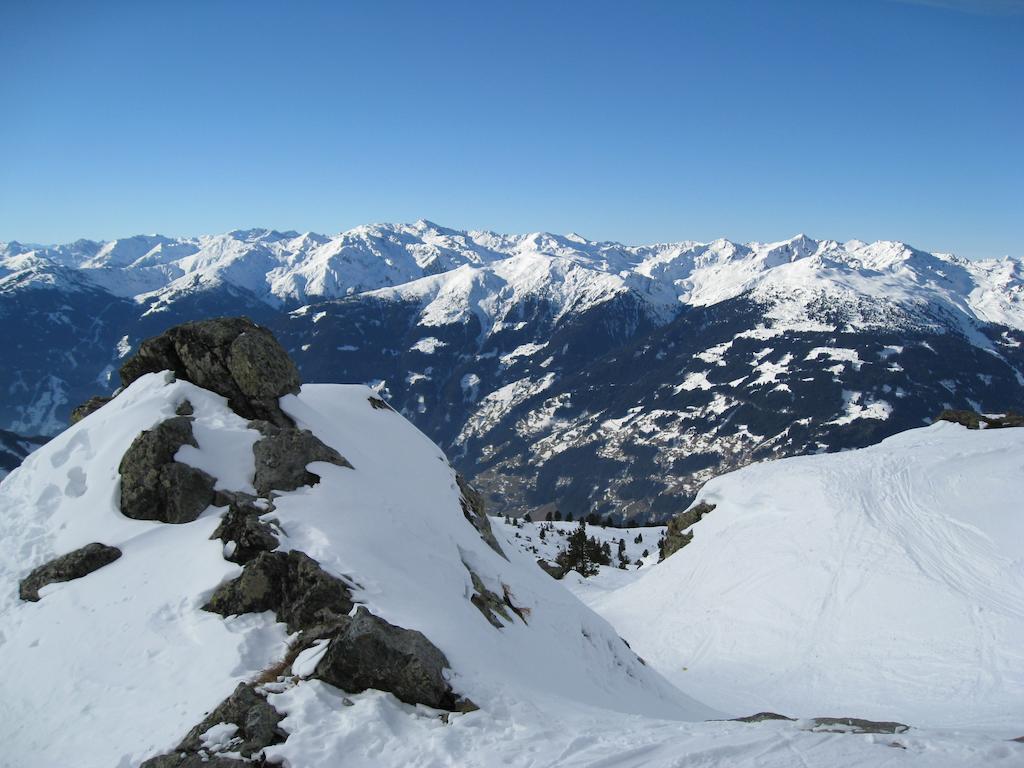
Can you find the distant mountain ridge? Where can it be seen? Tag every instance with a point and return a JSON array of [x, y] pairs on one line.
[[558, 371]]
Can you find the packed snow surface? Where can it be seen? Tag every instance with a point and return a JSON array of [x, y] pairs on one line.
[[887, 581]]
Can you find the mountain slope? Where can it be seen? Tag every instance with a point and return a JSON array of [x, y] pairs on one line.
[[556, 371], [888, 579], [115, 665]]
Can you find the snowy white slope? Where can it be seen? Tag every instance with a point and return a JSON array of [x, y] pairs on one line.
[[887, 581], [117, 666], [109, 669]]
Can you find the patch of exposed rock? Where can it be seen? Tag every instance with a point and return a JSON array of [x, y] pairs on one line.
[[676, 535], [856, 725], [156, 487], [371, 653], [231, 356], [73, 565], [256, 725], [244, 533], [283, 454], [975, 420], [293, 586], [554, 570], [91, 405], [473, 508]]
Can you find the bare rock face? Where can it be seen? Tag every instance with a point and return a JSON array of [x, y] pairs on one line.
[[371, 653], [156, 487], [292, 585], [282, 455], [676, 535], [73, 565], [974, 420], [91, 405], [231, 356], [473, 510], [257, 727]]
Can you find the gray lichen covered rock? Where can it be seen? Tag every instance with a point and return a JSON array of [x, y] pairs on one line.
[[243, 530], [974, 420], [371, 653], [231, 356], [856, 725], [473, 509], [676, 535], [282, 454], [257, 725], [292, 585], [91, 405], [73, 565], [156, 487]]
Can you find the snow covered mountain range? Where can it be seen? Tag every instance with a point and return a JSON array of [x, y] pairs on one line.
[[556, 371]]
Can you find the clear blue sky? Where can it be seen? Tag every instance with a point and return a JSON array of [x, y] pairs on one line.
[[628, 121]]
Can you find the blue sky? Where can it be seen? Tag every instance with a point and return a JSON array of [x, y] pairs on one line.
[[633, 121]]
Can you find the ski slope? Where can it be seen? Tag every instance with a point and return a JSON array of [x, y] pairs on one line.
[[888, 581]]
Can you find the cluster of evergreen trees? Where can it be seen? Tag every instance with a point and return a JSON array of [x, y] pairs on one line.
[[583, 553]]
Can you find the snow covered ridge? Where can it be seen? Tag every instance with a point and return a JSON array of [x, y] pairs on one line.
[[455, 273], [340, 553]]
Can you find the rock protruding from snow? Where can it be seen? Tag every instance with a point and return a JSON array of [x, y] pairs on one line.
[[73, 565], [283, 454], [975, 420], [154, 486], [372, 653], [233, 357], [473, 508], [246, 723], [244, 533], [89, 406], [292, 585], [677, 534]]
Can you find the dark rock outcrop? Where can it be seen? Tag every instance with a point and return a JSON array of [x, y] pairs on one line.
[[974, 420], [473, 508], [856, 725], [554, 570], [282, 455], [242, 525], [258, 728], [293, 586], [156, 487], [231, 356], [91, 405], [760, 717], [73, 565], [676, 535], [371, 653]]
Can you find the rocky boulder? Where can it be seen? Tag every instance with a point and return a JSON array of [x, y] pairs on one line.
[[676, 535], [292, 585], [975, 420], [231, 356], [244, 533], [371, 653], [251, 722], [73, 565], [156, 487], [282, 455]]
